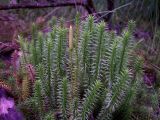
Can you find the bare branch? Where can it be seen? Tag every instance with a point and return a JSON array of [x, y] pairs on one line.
[[87, 4]]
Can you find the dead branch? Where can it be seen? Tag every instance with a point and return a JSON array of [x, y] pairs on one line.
[[87, 4]]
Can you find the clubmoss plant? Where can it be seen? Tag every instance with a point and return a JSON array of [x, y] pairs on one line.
[[86, 70]]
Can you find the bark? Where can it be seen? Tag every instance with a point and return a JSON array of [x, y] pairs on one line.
[[110, 6], [39, 5]]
